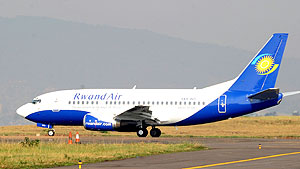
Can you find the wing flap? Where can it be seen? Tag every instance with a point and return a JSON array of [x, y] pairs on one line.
[[138, 113]]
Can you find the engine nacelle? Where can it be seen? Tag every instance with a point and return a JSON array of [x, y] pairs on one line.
[[91, 122]]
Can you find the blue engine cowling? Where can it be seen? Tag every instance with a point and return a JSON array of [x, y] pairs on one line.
[[92, 123]]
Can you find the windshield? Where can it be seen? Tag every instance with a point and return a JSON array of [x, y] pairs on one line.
[[35, 101]]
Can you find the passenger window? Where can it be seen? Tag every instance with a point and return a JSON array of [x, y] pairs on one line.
[[87, 102], [153, 103], [162, 103], [157, 103], [175, 103], [184, 103], [128, 102], [96, 102], [194, 103], [166, 103], [69, 102], [171, 103], [123, 102], [198, 103], [92, 102], [82, 102], [78, 102], [73, 102], [179, 103], [133, 102], [203, 103], [110, 102], [138, 102]]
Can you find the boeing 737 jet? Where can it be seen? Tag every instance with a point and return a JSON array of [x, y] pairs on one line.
[[133, 110]]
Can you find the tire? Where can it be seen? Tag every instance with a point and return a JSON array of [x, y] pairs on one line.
[[51, 132], [142, 132], [155, 132]]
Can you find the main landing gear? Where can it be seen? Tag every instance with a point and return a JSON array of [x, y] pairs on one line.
[[142, 132], [154, 132], [51, 132]]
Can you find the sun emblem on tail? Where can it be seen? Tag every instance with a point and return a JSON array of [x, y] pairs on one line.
[[264, 64]]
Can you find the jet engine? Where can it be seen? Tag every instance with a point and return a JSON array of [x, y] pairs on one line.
[[95, 123]]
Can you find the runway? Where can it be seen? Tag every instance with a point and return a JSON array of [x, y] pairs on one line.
[[222, 153]]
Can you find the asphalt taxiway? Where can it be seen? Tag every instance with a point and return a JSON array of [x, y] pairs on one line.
[[222, 153]]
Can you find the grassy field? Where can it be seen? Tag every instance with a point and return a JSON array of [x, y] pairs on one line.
[[264, 127], [14, 155], [50, 154]]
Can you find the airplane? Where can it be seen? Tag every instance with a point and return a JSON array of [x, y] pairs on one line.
[[133, 110]]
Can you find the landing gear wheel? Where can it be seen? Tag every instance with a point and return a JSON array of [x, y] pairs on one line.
[[155, 132], [51, 132], [142, 132]]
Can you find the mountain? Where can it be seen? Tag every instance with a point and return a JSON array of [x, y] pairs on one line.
[[39, 55]]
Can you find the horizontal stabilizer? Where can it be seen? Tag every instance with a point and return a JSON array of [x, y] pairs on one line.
[[271, 93], [290, 93]]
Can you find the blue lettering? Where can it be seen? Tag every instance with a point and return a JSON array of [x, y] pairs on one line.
[[103, 96], [83, 97], [76, 96], [112, 96], [90, 97]]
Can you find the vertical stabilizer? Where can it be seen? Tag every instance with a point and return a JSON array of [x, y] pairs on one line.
[[262, 71]]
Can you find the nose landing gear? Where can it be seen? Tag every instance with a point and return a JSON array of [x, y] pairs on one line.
[[51, 132]]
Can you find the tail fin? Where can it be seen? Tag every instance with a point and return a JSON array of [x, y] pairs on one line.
[[262, 71]]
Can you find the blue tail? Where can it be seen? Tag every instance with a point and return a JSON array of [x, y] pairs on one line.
[[262, 71]]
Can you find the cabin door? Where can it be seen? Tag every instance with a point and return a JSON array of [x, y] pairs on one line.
[[222, 104]]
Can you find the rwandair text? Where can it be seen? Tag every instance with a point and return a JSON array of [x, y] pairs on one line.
[[106, 96]]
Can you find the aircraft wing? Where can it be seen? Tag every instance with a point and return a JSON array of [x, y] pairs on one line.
[[138, 113]]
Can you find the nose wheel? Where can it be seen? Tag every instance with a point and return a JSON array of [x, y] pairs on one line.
[[51, 132], [155, 132], [143, 132]]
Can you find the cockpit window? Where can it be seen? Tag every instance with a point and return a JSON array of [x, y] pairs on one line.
[[35, 101]]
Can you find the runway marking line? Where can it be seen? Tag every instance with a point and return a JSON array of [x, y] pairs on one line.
[[241, 161]]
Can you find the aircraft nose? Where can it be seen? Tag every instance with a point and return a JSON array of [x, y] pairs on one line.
[[23, 110]]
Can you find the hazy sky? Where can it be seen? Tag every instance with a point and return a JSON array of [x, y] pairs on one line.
[[244, 24]]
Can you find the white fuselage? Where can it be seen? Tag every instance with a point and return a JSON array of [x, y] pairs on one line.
[[167, 105]]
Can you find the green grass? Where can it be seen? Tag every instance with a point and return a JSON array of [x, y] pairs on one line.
[[14, 155], [253, 127]]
